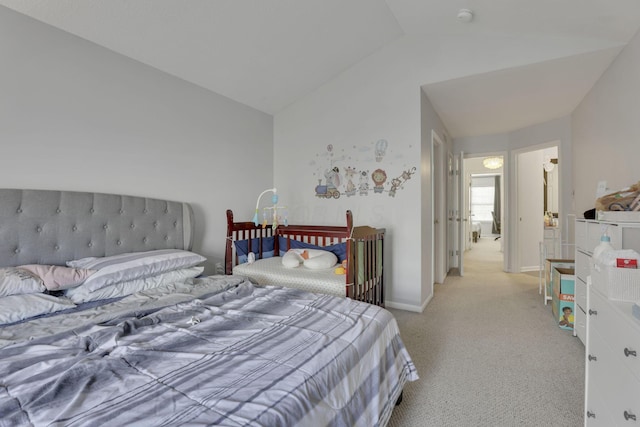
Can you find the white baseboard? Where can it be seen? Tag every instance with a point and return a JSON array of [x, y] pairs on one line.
[[408, 307]]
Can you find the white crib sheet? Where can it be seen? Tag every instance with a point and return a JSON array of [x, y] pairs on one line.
[[270, 271]]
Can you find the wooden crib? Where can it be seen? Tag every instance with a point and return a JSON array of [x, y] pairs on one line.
[[364, 275]]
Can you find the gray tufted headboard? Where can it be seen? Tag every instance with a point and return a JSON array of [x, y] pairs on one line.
[[52, 227]]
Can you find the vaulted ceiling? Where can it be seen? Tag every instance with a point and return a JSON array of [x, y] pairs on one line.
[[270, 53]]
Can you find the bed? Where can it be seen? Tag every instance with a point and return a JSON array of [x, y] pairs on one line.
[[196, 350], [360, 250]]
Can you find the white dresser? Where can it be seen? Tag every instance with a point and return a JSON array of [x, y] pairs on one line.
[[610, 332]]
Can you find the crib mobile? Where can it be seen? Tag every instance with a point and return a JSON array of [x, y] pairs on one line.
[[271, 211]]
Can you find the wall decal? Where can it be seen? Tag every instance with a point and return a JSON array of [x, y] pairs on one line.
[[381, 149], [399, 181], [379, 177], [348, 173]]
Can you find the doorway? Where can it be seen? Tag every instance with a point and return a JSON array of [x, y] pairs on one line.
[[483, 208]]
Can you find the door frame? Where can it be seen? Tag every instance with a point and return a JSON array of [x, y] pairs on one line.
[[508, 188], [452, 260], [503, 198], [461, 216], [438, 213]]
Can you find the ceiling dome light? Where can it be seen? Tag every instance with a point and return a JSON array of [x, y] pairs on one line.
[[492, 162], [465, 15]]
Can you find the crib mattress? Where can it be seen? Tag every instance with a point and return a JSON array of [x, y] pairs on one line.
[[270, 271]]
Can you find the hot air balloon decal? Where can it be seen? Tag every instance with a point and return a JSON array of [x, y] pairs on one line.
[[381, 149]]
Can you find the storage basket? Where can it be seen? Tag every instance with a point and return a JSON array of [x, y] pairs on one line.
[[620, 284]]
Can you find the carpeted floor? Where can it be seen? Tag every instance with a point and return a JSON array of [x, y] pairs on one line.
[[489, 353]]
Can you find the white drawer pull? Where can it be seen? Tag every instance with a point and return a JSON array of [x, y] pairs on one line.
[[629, 416], [628, 352]]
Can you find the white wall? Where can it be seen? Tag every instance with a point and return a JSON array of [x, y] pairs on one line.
[[349, 117], [75, 116], [606, 130]]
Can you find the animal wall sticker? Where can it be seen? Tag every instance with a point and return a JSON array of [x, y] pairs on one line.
[[348, 173]]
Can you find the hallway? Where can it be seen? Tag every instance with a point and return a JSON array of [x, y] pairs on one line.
[[489, 353], [484, 256]]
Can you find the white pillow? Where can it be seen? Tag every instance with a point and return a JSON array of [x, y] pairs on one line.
[[319, 259], [293, 258], [20, 307], [83, 294], [134, 265], [16, 281]]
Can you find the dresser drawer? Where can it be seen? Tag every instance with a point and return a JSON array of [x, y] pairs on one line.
[[621, 337], [583, 268], [594, 233], [623, 235], [580, 233], [630, 240], [620, 390], [596, 413]]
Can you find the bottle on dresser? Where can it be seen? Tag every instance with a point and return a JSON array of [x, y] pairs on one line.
[[603, 247], [605, 254]]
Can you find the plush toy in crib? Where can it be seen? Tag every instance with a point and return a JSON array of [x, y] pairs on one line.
[[314, 259], [342, 269]]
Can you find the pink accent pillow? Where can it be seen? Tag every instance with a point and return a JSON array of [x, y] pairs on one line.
[[57, 278]]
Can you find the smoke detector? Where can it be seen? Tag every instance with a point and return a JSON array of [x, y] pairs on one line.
[[465, 15]]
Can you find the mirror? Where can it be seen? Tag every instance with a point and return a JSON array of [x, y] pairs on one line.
[[550, 177]]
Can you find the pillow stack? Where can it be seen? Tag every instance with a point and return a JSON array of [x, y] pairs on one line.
[[24, 290], [124, 274]]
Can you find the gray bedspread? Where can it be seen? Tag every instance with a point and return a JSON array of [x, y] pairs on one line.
[[220, 352]]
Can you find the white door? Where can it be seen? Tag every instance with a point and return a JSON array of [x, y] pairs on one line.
[[454, 211], [438, 185], [530, 210], [462, 219], [452, 260]]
